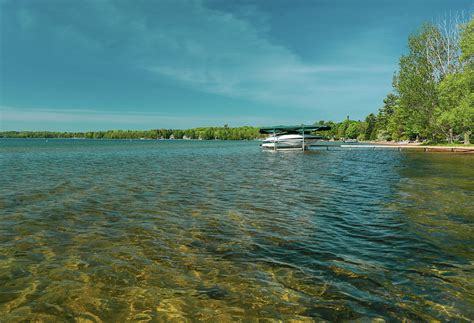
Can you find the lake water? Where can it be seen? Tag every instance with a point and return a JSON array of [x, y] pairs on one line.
[[218, 230]]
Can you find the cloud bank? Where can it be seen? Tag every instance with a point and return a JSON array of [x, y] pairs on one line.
[[189, 43]]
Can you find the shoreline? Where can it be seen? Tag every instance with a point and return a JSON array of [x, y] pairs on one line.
[[413, 146]]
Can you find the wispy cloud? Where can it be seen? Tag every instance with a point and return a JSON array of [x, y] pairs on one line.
[[12, 114], [201, 48], [233, 58]]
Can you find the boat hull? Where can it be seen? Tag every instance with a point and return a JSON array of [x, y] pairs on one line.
[[289, 142]]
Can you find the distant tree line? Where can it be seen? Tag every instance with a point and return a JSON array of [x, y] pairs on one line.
[[433, 90], [207, 133]]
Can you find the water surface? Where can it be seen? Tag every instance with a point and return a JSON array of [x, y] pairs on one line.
[[200, 230]]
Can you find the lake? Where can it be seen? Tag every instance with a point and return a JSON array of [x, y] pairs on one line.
[[219, 230]]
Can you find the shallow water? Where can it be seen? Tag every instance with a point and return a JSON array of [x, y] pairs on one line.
[[199, 230]]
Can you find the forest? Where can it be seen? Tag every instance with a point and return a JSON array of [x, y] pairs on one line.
[[206, 133], [433, 90]]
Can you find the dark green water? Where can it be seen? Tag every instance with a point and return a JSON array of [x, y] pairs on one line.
[[178, 230]]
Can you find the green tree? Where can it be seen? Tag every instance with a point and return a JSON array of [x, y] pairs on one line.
[[371, 121], [385, 120], [467, 44], [456, 111], [456, 91], [415, 85], [352, 130]]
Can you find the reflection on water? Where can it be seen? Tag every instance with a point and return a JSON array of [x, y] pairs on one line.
[[160, 230]]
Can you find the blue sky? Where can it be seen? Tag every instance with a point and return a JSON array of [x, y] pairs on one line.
[[74, 65]]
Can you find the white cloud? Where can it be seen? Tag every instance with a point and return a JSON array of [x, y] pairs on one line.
[[13, 114], [201, 48], [219, 53]]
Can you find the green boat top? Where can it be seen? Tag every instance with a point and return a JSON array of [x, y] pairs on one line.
[[294, 129]]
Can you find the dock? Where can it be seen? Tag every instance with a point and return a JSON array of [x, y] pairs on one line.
[[399, 147]]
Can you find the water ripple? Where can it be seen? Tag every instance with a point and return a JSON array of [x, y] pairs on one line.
[[157, 230]]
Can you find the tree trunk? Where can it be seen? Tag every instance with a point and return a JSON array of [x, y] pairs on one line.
[[450, 137], [467, 134]]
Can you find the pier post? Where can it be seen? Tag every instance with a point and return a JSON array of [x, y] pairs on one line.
[[274, 140], [302, 148]]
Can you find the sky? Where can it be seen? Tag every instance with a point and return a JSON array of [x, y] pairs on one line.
[[81, 65]]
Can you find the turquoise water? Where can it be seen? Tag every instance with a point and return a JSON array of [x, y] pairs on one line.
[[219, 230]]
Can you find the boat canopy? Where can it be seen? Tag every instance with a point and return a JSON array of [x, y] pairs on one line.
[[300, 128]]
